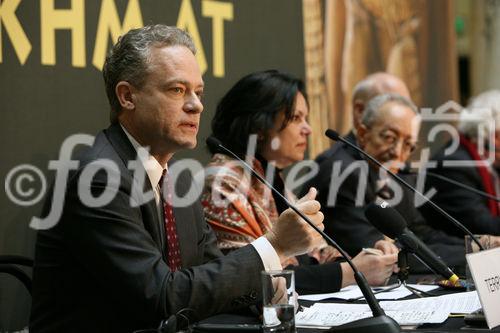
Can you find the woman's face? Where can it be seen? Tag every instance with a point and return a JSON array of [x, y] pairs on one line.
[[287, 146]]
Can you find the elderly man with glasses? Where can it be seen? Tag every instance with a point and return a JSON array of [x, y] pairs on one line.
[[347, 182]]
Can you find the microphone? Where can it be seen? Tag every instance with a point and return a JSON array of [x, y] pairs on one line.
[[336, 137], [380, 322], [465, 187], [483, 194], [388, 221]]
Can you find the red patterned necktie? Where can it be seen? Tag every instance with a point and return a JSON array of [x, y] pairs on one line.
[[173, 250]]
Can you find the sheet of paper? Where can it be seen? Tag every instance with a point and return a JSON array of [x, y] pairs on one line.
[[352, 292], [328, 315], [465, 302], [407, 312]]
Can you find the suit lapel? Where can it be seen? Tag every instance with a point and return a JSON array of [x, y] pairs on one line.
[[126, 151], [372, 176], [184, 216]]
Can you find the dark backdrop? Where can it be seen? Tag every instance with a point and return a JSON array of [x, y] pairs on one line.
[[42, 104]]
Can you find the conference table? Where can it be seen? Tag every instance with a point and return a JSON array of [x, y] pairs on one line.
[[452, 324]]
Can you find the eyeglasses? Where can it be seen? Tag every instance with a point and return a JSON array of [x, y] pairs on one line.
[[390, 139]]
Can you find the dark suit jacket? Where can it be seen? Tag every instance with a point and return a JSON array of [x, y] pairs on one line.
[[313, 278], [346, 222], [104, 269], [467, 207]]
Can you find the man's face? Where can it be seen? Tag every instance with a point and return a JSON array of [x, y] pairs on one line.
[[392, 137], [167, 109]]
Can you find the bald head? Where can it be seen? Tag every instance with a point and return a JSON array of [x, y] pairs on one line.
[[374, 85]]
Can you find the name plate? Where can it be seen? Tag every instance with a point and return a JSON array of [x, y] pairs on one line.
[[485, 269]]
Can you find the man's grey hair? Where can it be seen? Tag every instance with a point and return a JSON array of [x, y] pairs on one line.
[[374, 105], [483, 110], [129, 57]]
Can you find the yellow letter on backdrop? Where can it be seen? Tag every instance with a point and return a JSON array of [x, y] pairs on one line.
[[109, 23], [187, 21], [54, 19], [218, 11], [17, 36]]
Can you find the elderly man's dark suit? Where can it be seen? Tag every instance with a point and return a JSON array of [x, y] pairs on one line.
[[346, 222], [104, 269], [469, 208]]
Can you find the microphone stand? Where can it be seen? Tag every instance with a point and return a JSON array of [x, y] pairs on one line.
[[336, 137], [380, 322], [404, 273]]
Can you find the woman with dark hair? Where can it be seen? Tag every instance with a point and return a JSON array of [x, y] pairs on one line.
[[263, 119]]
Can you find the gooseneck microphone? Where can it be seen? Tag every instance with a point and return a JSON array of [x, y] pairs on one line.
[[483, 194], [380, 322], [465, 187], [336, 137], [388, 221]]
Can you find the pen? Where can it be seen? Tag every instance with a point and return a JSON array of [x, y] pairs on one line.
[[372, 251]]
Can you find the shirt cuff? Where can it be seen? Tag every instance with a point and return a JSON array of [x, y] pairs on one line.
[[267, 253]]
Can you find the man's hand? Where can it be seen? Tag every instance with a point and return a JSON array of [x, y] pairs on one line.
[[292, 261], [377, 269], [489, 241], [386, 246], [280, 295], [325, 254], [292, 236]]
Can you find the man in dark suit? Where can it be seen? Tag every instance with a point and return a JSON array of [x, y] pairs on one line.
[[373, 85], [346, 182], [387, 131], [479, 214], [125, 254]]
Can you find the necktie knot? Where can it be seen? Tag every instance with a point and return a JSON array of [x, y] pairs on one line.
[[164, 174], [163, 184]]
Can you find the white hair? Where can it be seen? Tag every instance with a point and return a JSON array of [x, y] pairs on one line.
[[480, 114], [374, 105]]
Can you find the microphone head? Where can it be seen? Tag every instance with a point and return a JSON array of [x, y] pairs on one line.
[[334, 135], [386, 219], [213, 143]]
